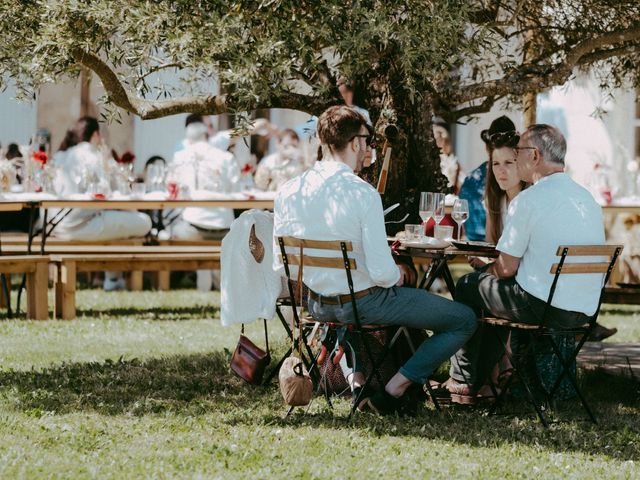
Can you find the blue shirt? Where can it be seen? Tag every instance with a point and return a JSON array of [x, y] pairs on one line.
[[473, 191]]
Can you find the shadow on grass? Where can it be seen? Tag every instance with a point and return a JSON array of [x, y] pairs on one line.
[[155, 313], [123, 386], [202, 384]]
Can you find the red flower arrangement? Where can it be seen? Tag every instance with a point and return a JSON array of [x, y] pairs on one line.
[[127, 157], [41, 158]]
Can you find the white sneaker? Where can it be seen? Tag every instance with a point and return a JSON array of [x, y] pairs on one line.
[[111, 284]]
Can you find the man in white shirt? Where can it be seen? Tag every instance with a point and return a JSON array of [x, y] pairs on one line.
[[554, 211], [330, 202], [204, 170]]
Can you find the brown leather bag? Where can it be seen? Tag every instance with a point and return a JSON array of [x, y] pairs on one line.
[[250, 361]]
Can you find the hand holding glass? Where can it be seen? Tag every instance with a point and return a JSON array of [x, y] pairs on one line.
[[460, 213]]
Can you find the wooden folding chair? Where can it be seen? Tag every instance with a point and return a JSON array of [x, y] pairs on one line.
[[547, 333], [344, 261]]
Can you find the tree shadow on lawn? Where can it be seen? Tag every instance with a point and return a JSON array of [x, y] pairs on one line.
[[202, 384], [155, 313]]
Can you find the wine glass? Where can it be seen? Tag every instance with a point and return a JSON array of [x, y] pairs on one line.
[[426, 206], [438, 207], [460, 213]]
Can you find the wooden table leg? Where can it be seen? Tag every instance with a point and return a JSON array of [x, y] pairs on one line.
[[67, 294], [135, 281], [37, 292]]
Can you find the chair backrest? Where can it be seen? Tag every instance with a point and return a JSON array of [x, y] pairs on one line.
[[566, 266], [302, 260]]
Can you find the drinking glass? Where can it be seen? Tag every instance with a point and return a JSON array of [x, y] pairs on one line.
[[413, 233], [460, 213], [426, 206], [438, 207]]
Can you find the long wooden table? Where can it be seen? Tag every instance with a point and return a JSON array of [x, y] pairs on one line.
[[6, 206], [154, 204]]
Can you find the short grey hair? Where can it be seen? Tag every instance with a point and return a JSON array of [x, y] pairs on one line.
[[549, 141]]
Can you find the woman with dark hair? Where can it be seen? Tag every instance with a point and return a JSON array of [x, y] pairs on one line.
[[83, 169], [503, 182]]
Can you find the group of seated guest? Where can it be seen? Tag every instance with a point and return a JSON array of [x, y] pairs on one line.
[[330, 202]]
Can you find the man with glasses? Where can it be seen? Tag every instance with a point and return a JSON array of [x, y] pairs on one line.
[[330, 202], [554, 211]]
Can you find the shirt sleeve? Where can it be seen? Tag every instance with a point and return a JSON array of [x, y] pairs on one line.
[[383, 270], [517, 229]]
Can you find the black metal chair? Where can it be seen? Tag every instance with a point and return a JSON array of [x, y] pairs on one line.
[[298, 257], [546, 333]]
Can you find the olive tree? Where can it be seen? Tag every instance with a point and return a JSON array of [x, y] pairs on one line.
[[408, 59]]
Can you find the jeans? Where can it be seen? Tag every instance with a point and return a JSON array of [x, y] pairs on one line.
[[502, 298], [452, 323]]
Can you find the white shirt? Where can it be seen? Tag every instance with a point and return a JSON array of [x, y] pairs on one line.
[[555, 211], [206, 169], [80, 165], [329, 202], [248, 288]]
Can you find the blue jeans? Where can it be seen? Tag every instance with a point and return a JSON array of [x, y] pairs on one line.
[[451, 322]]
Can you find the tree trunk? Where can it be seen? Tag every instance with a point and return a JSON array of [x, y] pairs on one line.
[[415, 158]]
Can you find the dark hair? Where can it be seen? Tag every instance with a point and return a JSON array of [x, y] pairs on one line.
[[193, 118], [13, 151], [288, 132], [153, 159], [501, 133], [82, 131], [68, 141], [338, 125]]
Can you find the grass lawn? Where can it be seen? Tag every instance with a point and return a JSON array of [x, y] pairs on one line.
[[139, 386]]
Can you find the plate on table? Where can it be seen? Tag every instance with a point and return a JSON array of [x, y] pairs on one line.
[[426, 242], [629, 285], [471, 245]]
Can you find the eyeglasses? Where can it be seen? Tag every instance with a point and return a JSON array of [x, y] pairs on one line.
[[517, 149], [369, 139]]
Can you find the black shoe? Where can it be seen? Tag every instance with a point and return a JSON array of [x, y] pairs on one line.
[[600, 332], [359, 394], [384, 404]]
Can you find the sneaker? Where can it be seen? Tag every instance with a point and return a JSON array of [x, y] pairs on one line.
[[111, 284]]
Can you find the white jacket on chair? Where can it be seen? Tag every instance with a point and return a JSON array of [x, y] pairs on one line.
[[249, 288]]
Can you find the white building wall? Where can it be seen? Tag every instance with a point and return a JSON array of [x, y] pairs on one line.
[[157, 137], [17, 119]]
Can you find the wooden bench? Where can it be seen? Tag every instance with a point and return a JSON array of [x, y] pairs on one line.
[[36, 269], [18, 243], [162, 278], [158, 259], [621, 296]]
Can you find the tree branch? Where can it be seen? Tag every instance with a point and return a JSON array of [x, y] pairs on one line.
[[485, 106], [204, 105], [522, 81]]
